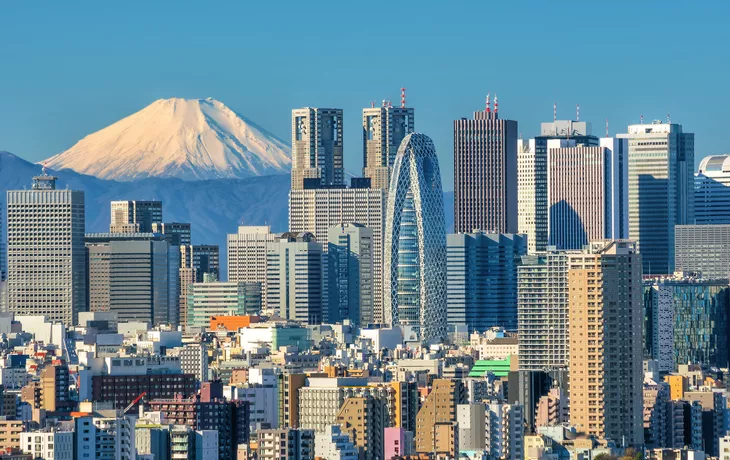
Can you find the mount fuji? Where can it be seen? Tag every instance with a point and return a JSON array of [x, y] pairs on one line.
[[189, 139]]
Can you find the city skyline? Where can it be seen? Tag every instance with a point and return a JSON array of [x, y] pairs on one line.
[[79, 98]]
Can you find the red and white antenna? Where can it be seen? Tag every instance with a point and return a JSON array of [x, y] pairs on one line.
[[489, 109], [555, 111], [403, 97], [496, 104], [606, 127], [577, 112]]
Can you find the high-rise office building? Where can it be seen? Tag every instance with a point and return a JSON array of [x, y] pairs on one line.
[[134, 275], [686, 321], [179, 231], [605, 322], [350, 272], [134, 216], [532, 177], [712, 191], [415, 242], [383, 129], [542, 311], [294, 281], [317, 147], [703, 250], [247, 255], [206, 261], [46, 254], [219, 298], [481, 279], [317, 210], [587, 196], [485, 173], [661, 190]]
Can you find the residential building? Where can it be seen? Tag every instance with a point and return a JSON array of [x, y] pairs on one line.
[[135, 216], [350, 272], [317, 147], [294, 282], [123, 389], [134, 275], [471, 419], [542, 311], [661, 190], [605, 322], [46, 255], [363, 419], [712, 191], [333, 444], [587, 196], [383, 129], [218, 298], [54, 386], [10, 431], [318, 209], [286, 443], [703, 249], [686, 321], [532, 177], [398, 442], [504, 430], [194, 361], [48, 443], [481, 279], [440, 407], [415, 242]]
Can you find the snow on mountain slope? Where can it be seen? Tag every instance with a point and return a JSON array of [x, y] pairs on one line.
[[190, 139]]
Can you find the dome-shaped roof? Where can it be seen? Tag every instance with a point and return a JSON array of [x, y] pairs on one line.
[[714, 164]]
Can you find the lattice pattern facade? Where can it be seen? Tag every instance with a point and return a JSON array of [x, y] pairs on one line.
[[415, 241]]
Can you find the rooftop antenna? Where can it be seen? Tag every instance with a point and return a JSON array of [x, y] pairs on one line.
[[577, 112], [642, 118], [384, 105], [496, 104], [403, 97], [372, 104], [555, 111], [606, 127], [669, 119], [488, 108]]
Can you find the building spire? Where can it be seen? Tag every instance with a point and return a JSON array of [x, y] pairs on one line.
[[488, 108]]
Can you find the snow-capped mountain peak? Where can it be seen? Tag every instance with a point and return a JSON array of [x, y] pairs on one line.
[[191, 139]]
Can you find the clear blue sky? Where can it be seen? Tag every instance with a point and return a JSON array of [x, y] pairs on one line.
[[68, 69]]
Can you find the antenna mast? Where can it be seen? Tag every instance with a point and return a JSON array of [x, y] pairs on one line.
[[403, 97], [555, 111]]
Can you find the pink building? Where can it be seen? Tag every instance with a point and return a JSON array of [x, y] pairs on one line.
[[398, 442]]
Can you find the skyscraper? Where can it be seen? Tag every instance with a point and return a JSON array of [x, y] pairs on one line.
[[712, 191], [350, 271], [134, 216], [247, 251], [542, 311], [661, 190], [383, 129], [179, 230], [46, 254], [317, 147], [485, 173], [415, 241], [317, 210], [532, 177], [587, 197], [481, 279], [606, 313], [206, 260], [294, 277]]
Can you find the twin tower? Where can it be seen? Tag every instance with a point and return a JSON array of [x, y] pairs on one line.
[[404, 165]]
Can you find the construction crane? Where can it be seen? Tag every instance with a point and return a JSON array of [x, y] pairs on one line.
[[136, 400]]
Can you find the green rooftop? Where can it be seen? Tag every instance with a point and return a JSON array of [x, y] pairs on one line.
[[500, 368]]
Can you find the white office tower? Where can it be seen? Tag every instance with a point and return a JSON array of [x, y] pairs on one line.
[[294, 281], [247, 255], [46, 253], [333, 444], [350, 272], [712, 191], [317, 210], [316, 147], [661, 190], [383, 129], [504, 430], [587, 196]]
